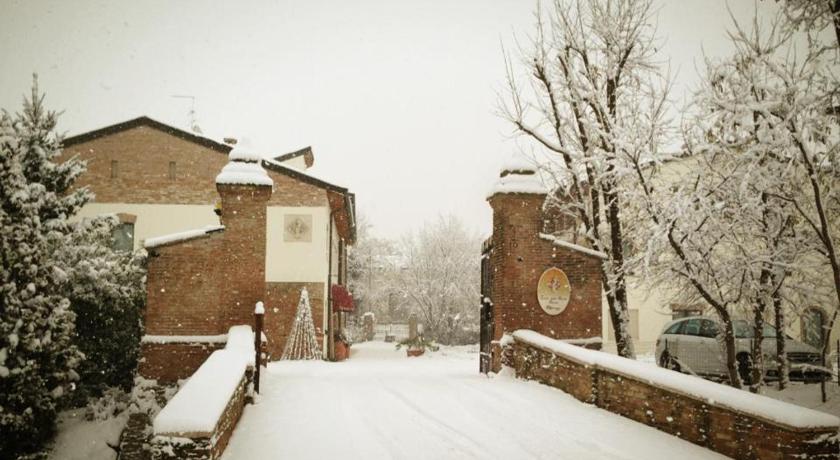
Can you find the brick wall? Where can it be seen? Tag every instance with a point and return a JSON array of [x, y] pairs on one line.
[[183, 291], [143, 155], [168, 363], [205, 285], [724, 430], [292, 192], [518, 259], [281, 304]]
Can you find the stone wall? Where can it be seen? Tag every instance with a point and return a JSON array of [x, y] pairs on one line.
[[734, 433]]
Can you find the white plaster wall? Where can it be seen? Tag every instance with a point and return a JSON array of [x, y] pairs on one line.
[[156, 219], [298, 162], [649, 309], [296, 261]]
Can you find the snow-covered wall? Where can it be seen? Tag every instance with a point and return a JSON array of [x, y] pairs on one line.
[[200, 418], [730, 421]]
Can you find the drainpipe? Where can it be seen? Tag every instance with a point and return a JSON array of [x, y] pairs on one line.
[[329, 331]]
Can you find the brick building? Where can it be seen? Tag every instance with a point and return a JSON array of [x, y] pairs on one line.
[[531, 280], [278, 237]]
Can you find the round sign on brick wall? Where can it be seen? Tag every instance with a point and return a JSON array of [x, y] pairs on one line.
[[553, 291]]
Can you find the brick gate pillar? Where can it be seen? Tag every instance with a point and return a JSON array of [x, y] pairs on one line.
[[521, 253]]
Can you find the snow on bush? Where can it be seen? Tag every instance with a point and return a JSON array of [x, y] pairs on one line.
[[711, 392]]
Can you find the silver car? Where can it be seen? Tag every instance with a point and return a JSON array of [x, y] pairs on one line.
[[692, 345]]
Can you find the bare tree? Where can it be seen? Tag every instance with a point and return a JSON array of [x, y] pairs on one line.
[[759, 210], [439, 274], [595, 101]]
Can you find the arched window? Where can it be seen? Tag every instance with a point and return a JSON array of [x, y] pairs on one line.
[[813, 322]]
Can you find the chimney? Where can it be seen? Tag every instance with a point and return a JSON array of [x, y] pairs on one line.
[[244, 188]]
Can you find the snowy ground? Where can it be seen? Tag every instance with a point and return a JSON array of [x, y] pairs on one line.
[[81, 439], [380, 404]]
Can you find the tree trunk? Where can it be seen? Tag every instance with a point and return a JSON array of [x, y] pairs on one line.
[[618, 309], [757, 372], [729, 342], [781, 343]]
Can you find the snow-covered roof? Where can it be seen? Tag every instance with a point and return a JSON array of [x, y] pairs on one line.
[[181, 236], [714, 393], [306, 175], [572, 246]]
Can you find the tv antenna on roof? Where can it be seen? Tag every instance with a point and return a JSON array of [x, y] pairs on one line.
[[191, 118]]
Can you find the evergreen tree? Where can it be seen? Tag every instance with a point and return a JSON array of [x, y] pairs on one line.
[[37, 355], [301, 343]]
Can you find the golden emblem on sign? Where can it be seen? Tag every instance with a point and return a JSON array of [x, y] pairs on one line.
[[553, 291]]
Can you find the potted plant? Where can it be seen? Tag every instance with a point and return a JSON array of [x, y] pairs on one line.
[[417, 346], [342, 344]]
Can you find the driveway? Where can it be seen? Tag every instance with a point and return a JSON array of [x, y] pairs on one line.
[[381, 405]]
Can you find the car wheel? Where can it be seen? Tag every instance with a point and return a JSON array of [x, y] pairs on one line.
[[745, 368], [668, 362]]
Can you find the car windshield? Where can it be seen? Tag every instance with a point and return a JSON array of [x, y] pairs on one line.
[[744, 330]]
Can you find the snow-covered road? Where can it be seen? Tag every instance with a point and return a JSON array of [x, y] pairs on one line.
[[381, 405]]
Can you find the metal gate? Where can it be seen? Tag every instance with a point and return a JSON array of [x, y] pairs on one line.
[[487, 326]]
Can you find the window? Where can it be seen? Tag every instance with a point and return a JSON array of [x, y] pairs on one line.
[[172, 170], [123, 237], [114, 169], [692, 327], [675, 328], [813, 324], [709, 329]]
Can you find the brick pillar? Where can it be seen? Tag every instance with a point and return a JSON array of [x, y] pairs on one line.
[[243, 207], [517, 222], [520, 256]]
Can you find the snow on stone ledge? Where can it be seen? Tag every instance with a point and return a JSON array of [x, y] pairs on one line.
[[711, 392], [166, 339], [201, 402], [572, 246], [244, 173], [241, 340], [181, 236]]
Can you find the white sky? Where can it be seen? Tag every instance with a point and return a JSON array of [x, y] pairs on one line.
[[397, 98]]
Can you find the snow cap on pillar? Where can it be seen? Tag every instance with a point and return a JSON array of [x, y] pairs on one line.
[[519, 175], [244, 167]]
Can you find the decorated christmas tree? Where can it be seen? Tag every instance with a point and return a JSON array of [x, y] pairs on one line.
[[301, 343]]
